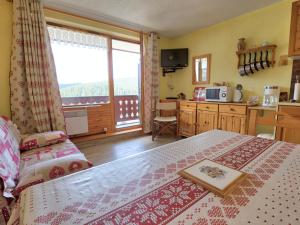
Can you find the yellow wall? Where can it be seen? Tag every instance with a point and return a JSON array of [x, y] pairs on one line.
[[267, 24], [271, 24], [5, 48]]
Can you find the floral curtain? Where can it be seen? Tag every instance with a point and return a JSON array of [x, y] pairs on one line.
[[151, 79], [35, 98]]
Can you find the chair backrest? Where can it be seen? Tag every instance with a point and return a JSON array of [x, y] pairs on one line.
[[166, 106]]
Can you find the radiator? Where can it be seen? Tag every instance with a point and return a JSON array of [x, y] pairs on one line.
[[76, 122]]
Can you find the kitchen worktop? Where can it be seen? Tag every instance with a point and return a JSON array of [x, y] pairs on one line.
[[289, 103], [220, 103]]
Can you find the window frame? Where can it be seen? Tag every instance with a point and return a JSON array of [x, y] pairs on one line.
[[109, 57]]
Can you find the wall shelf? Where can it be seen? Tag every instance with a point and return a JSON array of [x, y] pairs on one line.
[[255, 59], [258, 49]]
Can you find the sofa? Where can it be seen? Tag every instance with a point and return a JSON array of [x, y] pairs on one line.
[[27, 160]]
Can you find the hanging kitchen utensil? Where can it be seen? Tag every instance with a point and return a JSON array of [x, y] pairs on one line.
[[248, 65], [261, 63], [266, 62], [241, 68], [267, 59], [246, 73], [253, 63]]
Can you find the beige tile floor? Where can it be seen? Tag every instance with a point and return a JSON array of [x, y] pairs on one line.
[[112, 148]]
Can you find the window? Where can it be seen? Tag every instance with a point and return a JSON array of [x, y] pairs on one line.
[[87, 64], [81, 61], [126, 67], [126, 60]]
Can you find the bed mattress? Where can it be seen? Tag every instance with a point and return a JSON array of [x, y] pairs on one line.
[[145, 188]]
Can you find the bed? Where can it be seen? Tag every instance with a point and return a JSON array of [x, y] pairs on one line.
[[145, 189]]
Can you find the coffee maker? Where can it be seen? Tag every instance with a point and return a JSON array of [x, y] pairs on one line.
[[271, 96]]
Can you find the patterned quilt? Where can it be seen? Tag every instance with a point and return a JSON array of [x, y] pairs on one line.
[[145, 189]]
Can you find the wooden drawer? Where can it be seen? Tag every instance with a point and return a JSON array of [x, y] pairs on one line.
[[289, 110], [188, 105], [234, 109], [208, 107]]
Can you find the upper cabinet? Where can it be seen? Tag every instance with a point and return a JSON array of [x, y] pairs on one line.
[[201, 69], [294, 45]]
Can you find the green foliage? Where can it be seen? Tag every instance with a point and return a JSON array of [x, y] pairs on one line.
[[127, 86]]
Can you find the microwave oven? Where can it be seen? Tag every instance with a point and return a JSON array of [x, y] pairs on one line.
[[219, 94]]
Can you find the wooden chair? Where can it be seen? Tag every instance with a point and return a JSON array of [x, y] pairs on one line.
[[161, 123]]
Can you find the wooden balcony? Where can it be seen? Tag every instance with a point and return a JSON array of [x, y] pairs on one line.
[[127, 110]]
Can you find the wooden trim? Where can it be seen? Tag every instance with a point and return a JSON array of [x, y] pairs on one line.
[[257, 49], [208, 56], [128, 128], [125, 39], [101, 136], [293, 29], [121, 50], [111, 84], [94, 20], [142, 80]]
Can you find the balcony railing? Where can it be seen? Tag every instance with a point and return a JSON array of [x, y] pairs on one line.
[[88, 100], [127, 111]]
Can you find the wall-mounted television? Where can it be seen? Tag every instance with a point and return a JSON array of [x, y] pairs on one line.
[[174, 58]]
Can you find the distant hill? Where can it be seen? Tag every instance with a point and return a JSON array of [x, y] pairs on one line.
[[122, 87]]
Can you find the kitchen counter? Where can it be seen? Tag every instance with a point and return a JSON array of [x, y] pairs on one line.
[[289, 103], [220, 103]]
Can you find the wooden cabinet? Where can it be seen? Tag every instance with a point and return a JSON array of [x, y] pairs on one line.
[[288, 124], [196, 118], [187, 118], [232, 122], [294, 44], [233, 118], [207, 117]]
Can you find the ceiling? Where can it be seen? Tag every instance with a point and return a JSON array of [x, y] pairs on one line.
[[169, 18]]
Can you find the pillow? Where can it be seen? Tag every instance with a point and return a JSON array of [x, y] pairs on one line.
[[42, 139], [50, 169], [13, 132], [9, 158]]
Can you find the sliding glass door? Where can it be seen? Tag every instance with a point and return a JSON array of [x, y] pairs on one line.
[[126, 61], [94, 69]]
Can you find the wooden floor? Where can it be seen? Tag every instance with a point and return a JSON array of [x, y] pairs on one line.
[[112, 148]]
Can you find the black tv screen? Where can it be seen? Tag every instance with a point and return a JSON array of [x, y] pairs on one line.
[[174, 57]]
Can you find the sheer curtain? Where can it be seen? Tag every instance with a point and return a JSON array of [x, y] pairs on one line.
[[35, 99], [151, 78]]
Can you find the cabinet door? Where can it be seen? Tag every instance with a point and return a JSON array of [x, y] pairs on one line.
[[294, 44], [291, 135], [187, 122], [206, 121], [289, 121], [232, 122]]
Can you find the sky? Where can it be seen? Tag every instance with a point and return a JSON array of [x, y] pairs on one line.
[[76, 64]]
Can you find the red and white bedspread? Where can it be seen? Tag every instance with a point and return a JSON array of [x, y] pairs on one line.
[[145, 189]]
